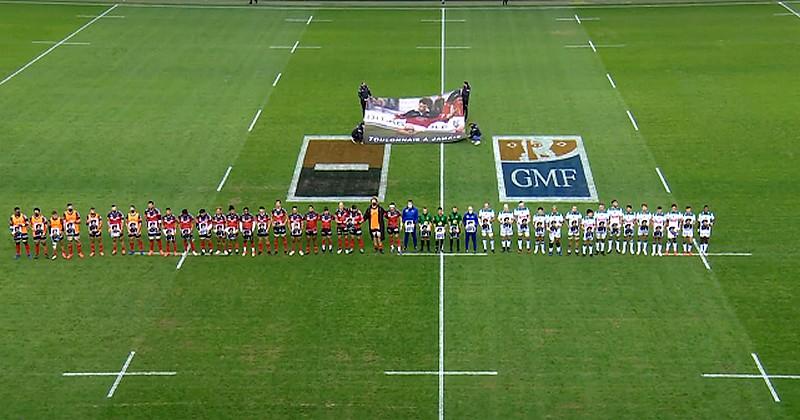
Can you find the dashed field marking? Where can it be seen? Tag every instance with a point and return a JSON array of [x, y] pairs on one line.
[[663, 180], [56, 45], [791, 10], [701, 254], [103, 17], [633, 120], [436, 372], [183, 258], [576, 18], [296, 46], [450, 47], [224, 178], [63, 43], [277, 78], [594, 46], [610, 80], [119, 375], [255, 117]]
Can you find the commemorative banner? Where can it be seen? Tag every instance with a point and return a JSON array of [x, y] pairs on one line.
[[427, 119]]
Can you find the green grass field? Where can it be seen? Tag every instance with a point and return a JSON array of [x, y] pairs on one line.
[[158, 105]]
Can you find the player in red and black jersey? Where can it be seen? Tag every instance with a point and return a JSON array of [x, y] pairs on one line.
[[279, 220], [341, 216], [186, 225], [115, 220], [393, 217], [232, 230], [218, 220], [170, 225], [204, 227], [355, 219], [152, 219], [296, 220], [326, 220], [312, 219], [262, 229], [247, 224]]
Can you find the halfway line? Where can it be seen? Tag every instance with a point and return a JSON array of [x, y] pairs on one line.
[[258, 114], [747, 376], [219, 188], [435, 372], [610, 80], [278, 77], [183, 258], [766, 378], [702, 255], [792, 11], [633, 120], [63, 43], [663, 180], [120, 375], [156, 373]]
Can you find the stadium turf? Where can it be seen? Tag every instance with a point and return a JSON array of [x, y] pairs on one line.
[[158, 106]]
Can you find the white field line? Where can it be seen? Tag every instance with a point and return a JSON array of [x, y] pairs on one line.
[[277, 78], [152, 373], [577, 19], [449, 373], [49, 50], [106, 16], [452, 47], [766, 378], [783, 14], [610, 80], [310, 18], [702, 255], [595, 46], [663, 180], [222, 181], [183, 258], [359, 167], [63, 43], [441, 257], [792, 11], [439, 20], [120, 374], [436, 254], [633, 120], [255, 118], [715, 254], [591, 44], [306, 20], [294, 48], [747, 376]]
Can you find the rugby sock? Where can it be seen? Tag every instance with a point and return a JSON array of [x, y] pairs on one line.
[[276, 244], [644, 247], [484, 245], [91, 247], [160, 245], [27, 248], [141, 245], [360, 243], [492, 244], [284, 244], [18, 248], [69, 249], [519, 244], [37, 249], [100, 246], [152, 244], [528, 244]]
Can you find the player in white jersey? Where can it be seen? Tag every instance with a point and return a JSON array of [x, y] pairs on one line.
[[643, 219], [689, 221], [554, 222], [659, 222], [705, 221], [486, 218], [523, 219], [601, 218], [539, 230], [628, 228], [506, 219], [674, 219], [615, 227], [588, 225], [573, 218]]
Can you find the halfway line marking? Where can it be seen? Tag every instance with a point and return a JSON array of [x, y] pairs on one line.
[[766, 378], [258, 114], [278, 77], [436, 254], [120, 374], [747, 376], [63, 43], [633, 120], [183, 258], [294, 48], [702, 255], [663, 180], [434, 372], [219, 188], [107, 16], [610, 80], [452, 47], [792, 11], [153, 373]]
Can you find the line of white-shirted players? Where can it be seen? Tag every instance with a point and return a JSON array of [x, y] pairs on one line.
[[599, 232]]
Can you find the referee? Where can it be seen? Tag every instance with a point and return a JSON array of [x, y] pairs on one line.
[[465, 91], [363, 94]]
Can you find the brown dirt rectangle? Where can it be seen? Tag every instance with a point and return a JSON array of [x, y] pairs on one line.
[[342, 151]]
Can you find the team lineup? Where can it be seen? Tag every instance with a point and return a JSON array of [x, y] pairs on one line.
[[602, 232]]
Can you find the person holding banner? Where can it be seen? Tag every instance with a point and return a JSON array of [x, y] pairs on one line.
[[466, 89], [363, 95], [410, 216]]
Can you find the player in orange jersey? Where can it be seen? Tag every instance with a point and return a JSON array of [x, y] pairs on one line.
[[18, 225], [72, 228], [56, 234], [95, 225], [39, 227]]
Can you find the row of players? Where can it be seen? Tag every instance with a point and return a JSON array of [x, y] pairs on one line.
[[605, 230]]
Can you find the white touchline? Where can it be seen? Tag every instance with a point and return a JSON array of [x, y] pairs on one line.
[[296, 43], [451, 47], [663, 180], [309, 20], [436, 254], [595, 46], [278, 77], [153, 373], [183, 258], [702, 255], [439, 20], [792, 11], [633, 120], [255, 118], [63, 43], [106, 16], [120, 375], [49, 50], [610, 80], [747, 376], [591, 44], [441, 258], [434, 372], [224, 178], [766, 378]]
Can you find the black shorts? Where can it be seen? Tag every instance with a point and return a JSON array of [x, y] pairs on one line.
[[247, 235], [393, 230], [279, 230], [327, 233], [154, 235], [20, 237], [95, 234], [39, 238], [296, 233], [311, 233], [341, 230], [233, 235], [134, 234], [356, 231], [206, 235], [170, 238], [262, 233], [375, 232], [220, 233]]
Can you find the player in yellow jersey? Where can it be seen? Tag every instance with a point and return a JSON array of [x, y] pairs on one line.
[[39, 228], [72, 229], [133, 220], [18, 225], [56, 234]]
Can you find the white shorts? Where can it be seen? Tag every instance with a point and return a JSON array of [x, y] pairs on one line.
[[524, 231], [601, 234], [487, 231], [688, 233], [672, 233], [554, 234], [644, 231], [588, 236], [705, 233], [115, 233], [506, 230]]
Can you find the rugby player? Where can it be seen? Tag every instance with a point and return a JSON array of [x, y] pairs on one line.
[[204, 228], [115, 222], [644, 219], [246, 225], [506, 219], [554, 221], [262, 230], [659, 222], [628, 228], [588, 225], [601, 231], [72, 227], [326, 230], [454, 219], [186, 225], [471, 222], [18, 225], [134, 224], [393, 228], [354, 221], [410, 218], [170, 225], [615, 227], [674, 219], [539, 230], [279, 219], [574, 222], [341, 216], [56, 234], [486, 216], [94, 223], [689, 221], [312, 220], [374, 217], [296, 230], [39, 227], [523, 218], [219, 230], [232, 230], [425, 227], [439, 229], [152, 219], [705, 222]]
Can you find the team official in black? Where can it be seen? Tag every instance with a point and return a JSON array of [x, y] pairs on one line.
[[465, 92], [363, 95]]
